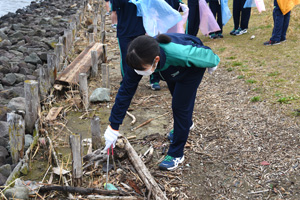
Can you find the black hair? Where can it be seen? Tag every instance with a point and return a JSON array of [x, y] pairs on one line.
[[143, 50]]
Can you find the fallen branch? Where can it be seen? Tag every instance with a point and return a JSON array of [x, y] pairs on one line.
[[81, 190], [144, 172], [148, 121], [132, 117]]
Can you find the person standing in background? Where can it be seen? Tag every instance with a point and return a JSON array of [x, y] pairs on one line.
[[193, 21], [113, 16], [215, 8], [241, 17], [129, 27], [281, 24]]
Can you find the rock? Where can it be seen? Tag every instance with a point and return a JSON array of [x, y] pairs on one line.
[[28, 141], [3, 129], [20, 77], [45, 21], [16, 27], [4, 69], [17, 193], [17, 103], [3, 36], [33, 58], [1, 87], [22, 49], [18, 35], [24, 169], [17, 53], [100, 94], [5, 43], [31, 77], [14, 68], [2, 180], [25, 71], [9, 79], [3, 113], [3, 155], [5, 170]]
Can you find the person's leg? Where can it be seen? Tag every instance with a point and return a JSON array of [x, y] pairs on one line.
[[183, 100], [123, 45], [219, 19], [278, 23], [193, 20], [213, 8], [107, 6], [114, 19], [246, 13], [286, 22], [236, 13]]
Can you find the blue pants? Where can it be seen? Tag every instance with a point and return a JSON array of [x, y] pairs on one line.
[[281, 24], [215, 8], [238, 8], [183, 99], [123, 45], [193, 21]]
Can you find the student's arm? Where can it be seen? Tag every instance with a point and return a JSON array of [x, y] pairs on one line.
[[123, 99]]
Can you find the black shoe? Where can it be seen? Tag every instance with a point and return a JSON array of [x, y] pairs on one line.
[[283, 40], [232, 32], [270, 42], [213, 36], [220, 35]]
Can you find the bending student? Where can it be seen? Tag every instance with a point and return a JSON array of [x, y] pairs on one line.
[[181, 61]]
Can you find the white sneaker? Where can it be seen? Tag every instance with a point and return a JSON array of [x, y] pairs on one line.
[[241, 32]]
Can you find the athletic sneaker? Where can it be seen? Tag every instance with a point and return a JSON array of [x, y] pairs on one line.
[[155, 86], [240, 31], [283, 40], [213, 36], [232, 32], [170, 163], [107, 13], [270, 42], [171, 133], [220, 35], [114, 26]]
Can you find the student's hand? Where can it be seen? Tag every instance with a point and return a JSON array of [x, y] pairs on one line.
[[111, 137]]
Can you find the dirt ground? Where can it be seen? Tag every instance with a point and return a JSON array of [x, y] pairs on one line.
[[240, 148]]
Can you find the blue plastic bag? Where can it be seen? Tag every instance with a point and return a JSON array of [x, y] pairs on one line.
[[249, 4], [226, 14], [158, 15], [138, 7]]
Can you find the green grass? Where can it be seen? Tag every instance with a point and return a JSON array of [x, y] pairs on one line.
[[255, 99], [273, 74], [241, 77], [251, 81]]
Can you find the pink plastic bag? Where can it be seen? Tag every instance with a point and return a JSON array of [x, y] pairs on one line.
[[208, 22], [178, 28], [260, 5]]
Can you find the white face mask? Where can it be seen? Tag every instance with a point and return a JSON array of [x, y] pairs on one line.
[[148, 72]]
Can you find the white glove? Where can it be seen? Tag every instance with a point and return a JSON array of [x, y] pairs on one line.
[[183, 7], [111, 137], [211, 70]]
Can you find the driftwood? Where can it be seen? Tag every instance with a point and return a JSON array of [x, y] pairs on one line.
[[81, 64], [77, 150], [143, 172], [148, 121], [96, 133], [113, 197], [53, 113], [84, 88], [81, 190]]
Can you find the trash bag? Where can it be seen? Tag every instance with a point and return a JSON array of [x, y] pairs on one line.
[[178, 28], [249, 4], [226, 14], [286, 6], [208, 22], [260, 5], [158, 15]]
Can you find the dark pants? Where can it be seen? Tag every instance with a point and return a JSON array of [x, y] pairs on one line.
[[215, 8], [281, 24], [123, 45], [183, 100], [240, 14], [193, 21]]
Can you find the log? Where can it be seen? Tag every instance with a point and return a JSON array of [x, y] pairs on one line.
[[81, 190], [81, 64], [96, 133], [83, 85], [59, 56], [104, 53], [143, 172], [95, 62], [91, 38], [77, 151], [105, 75], [101, 197], [44, 82], [16, 131], [51, 63], [32, 102]]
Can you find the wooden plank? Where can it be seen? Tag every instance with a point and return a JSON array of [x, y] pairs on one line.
[[53, 113], [81, 64]]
